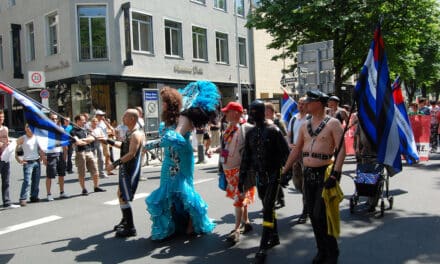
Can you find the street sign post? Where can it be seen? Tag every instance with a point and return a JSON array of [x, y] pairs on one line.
[[316, 67], [36, 79], [151, 110]]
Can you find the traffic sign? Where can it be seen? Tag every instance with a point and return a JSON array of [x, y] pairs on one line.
[[44, 94], [36, 79]]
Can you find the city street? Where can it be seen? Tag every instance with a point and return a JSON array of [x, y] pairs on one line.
[[79, 229]]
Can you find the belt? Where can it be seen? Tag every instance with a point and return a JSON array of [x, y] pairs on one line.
[[320, 156], [35, 160], [52, 155], [80, 151], [314, 173]]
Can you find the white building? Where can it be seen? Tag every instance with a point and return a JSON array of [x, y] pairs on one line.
[[100, 54]]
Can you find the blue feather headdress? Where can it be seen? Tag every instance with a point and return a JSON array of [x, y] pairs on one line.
[[203, 94]]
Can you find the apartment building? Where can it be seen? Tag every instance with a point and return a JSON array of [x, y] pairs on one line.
[[100, 54]]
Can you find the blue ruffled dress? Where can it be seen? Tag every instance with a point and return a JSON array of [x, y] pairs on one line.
[[176, 200]]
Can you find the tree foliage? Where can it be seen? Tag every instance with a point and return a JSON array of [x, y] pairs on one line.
[[410, 29]]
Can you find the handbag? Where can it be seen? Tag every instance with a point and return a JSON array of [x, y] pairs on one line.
[[222, 183]]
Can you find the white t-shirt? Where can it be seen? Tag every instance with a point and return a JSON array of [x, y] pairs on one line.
[[296, 126]]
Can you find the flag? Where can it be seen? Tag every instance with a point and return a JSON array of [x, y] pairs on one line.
[[49, 135], [408, 146], [289, 107], [376, 109]]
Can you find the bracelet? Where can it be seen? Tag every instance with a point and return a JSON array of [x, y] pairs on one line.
[[110, 141], [116, 163], [337, 175]]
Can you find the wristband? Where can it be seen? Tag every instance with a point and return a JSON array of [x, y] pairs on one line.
[[337, 175], [116, 163], [110, 141]]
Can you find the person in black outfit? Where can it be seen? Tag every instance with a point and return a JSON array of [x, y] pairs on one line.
[[265, 152]]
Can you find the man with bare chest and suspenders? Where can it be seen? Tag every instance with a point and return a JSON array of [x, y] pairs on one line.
[[317, 142]]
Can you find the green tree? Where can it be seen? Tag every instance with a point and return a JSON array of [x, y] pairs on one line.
[[406, 24]]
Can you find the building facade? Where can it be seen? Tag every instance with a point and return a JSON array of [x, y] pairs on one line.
[[100, 54]]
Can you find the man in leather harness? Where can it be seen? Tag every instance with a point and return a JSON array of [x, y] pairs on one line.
[[318, 140], [265, 151]]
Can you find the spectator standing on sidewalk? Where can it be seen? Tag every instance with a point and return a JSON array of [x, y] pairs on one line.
[[68, 127], [4, 165], [84, 157], [31, 166], [54, 160]]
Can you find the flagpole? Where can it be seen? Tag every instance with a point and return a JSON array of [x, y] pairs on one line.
[[38, 103]]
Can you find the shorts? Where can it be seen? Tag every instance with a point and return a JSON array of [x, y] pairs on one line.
[[55, 165], [85, 159], [206, 136]]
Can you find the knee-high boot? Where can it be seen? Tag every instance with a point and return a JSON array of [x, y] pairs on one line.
[[128, 229]]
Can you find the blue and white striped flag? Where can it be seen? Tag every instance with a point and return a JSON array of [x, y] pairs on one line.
[[408, 146], [289, 107], [49, 135], [376, 109]]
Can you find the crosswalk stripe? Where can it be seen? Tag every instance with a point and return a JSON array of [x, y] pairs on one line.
[[29, 224], [143, 195]]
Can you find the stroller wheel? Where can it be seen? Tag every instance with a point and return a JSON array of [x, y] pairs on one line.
[[382, 208], [352, 203], [391, 201]]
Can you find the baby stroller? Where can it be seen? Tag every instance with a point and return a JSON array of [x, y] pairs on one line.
[[369, 182]]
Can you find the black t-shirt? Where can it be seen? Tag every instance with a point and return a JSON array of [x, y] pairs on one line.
[[81, 133]]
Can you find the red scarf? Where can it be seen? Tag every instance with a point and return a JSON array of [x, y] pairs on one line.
[[229, 133]]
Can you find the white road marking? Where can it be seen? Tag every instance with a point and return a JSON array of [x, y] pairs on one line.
[[29, 224], [136, 196], [143, 195]]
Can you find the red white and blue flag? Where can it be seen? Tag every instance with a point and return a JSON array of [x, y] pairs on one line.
[[289, 107], [408, 146], [376, 109], [49, 135]]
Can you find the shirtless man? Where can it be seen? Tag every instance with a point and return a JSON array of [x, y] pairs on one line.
[[318, 140], [129, 170]]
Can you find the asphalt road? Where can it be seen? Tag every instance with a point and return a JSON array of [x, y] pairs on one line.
[[79, 229]]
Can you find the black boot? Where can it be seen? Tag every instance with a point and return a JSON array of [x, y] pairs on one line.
[[319, 258], [128, 229], [260, 256], [120, 225]]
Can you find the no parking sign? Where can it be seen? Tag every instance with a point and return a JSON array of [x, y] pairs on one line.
[[36, 79]]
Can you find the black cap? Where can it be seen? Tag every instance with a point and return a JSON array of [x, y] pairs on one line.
[[315, 95]]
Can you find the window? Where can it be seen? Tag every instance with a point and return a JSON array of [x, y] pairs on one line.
[[1, 53], [142, 32], [173, 38], [92, 32], [52, 31], [239, 5], [242, 52], [30, 42], [11, 3], [221, 44], [220, 4], [199, 1], [200, 50]]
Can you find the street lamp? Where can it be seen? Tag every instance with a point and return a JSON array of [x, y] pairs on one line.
[[237, 47]]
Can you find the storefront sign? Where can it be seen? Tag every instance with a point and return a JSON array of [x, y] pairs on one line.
[[188, 70], [61, 65], [151, 110]]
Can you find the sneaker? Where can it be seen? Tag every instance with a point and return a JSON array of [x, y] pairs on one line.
[[302, 218], [70, 172], [49, 197], [97, 189], [104, 176], [142, 178], [63, 195], [35, 199], [10, 206], [84, 192], [23, 203]]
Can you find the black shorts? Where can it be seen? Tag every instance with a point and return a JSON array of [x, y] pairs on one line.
[[55, 165], [206, 136]]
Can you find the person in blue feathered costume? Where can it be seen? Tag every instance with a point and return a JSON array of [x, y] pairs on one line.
[[176, 207]]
